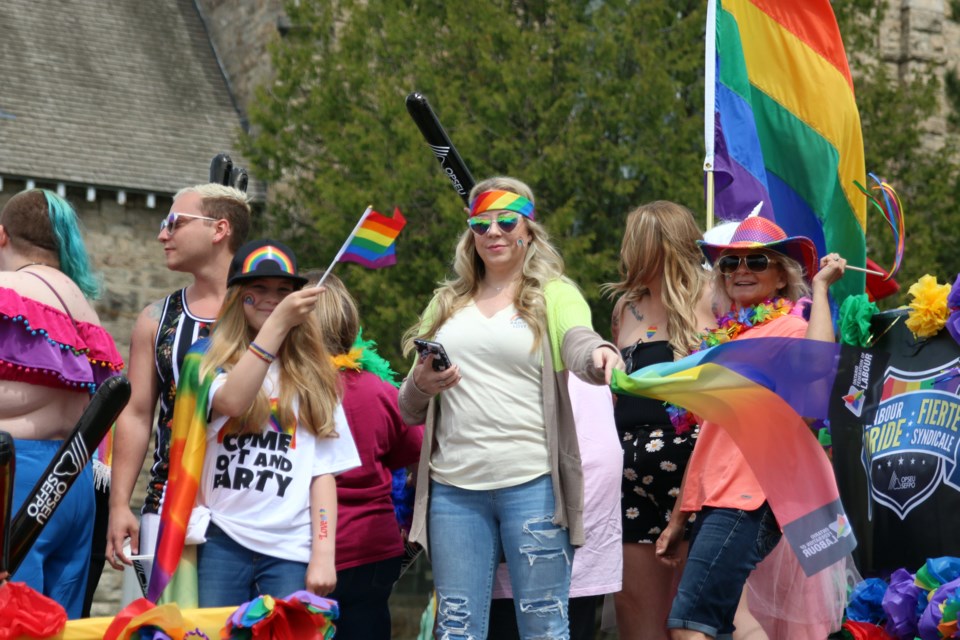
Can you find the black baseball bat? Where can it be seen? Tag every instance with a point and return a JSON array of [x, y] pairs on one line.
[[63, 470], [239, 178], [220, 168], [440, 143], [7, 472]]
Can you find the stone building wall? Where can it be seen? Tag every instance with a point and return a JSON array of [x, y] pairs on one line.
[[241, 31], [921, 34]]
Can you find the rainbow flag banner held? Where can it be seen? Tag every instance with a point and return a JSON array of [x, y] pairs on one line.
[[188, 445], [373, 244], [759, 391], [782, 125]]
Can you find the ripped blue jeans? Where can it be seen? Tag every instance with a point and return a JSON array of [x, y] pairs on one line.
[[467, 532]]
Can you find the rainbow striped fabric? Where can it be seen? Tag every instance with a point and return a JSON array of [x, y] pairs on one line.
[[786, 129], [757, 390], [373, 245], [187, 448]]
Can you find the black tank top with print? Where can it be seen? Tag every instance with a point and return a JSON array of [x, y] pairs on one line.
[[178, 330]]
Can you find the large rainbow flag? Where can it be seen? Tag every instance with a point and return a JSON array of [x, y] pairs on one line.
[[782, 125], [759, 391], [374, 243], [187, 448]]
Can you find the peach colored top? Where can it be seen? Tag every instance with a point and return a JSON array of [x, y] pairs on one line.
[[717, 474]]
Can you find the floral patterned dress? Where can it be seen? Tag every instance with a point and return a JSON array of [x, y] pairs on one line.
[[654, 454]]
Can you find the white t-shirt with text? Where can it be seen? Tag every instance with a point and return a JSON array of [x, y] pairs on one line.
[[257, 486]]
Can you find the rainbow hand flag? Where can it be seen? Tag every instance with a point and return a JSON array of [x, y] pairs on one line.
[[782, 125], [187, 449], [757, 390], [373, 242]]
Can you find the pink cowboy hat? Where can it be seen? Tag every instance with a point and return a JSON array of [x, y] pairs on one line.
[[761, 233]]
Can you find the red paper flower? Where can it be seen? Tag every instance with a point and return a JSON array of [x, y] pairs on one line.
[[28, 613]]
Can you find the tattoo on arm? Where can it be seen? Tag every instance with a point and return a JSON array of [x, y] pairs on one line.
[[155, 310], [324, 527]]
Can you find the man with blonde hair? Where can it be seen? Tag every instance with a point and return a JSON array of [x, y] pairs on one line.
[[201, 233]]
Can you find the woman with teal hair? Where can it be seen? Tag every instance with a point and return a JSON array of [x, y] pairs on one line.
[[53, 355]]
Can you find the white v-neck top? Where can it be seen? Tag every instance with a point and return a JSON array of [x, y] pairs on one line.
[[491, 432]]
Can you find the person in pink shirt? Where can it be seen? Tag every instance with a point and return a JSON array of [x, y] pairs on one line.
[[369, 544], [735, 528]]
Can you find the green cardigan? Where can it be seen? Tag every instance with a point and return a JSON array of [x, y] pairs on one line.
[[569, 346]]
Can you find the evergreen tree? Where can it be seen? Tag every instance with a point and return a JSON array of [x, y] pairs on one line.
[[598, 105]]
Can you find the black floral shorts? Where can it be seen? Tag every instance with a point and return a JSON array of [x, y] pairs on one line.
[[654, 458]]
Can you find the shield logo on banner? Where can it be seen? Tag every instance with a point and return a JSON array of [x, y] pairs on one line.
[[911, 447]]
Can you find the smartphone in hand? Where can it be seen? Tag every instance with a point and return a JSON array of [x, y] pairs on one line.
[[441, 361]]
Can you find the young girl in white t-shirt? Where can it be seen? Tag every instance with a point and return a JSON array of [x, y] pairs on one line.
[[276, 437]]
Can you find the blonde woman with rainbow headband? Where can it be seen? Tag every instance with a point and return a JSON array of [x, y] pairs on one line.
[[500, 465], [275, 438]]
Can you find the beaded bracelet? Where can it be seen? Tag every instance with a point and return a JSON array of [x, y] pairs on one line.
[[261, 353]]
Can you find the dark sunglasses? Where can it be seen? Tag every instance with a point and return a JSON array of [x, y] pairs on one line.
[[756, 262], [506, 221]]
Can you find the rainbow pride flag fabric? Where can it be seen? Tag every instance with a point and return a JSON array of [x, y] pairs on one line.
[[187, 448], [785, 129], [373, 245], [759, 391]]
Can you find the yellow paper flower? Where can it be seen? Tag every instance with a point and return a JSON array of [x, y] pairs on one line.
[[929, 310]]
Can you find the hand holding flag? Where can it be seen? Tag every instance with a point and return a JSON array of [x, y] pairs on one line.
[[372, 241]]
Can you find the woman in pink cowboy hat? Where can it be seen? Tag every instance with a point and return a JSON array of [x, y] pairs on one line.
[[735, 529]]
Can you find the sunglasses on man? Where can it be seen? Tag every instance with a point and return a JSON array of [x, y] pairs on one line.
[[169, 223]]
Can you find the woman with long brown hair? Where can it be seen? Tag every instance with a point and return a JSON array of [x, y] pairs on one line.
[[662, 309]]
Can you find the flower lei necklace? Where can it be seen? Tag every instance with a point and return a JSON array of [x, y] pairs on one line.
[[729, 327]]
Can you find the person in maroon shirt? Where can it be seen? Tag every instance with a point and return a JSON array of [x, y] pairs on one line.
[[369, 541]]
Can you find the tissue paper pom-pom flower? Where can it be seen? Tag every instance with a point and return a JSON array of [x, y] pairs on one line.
[[928, 308], [29, 614], [300, 615], [866, 601], [953, 304], [855, 314], [863, 631], [927, 628], [937, 571], [900, 604], [143, 620]]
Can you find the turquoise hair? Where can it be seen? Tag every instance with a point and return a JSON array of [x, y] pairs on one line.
[[74, 261]]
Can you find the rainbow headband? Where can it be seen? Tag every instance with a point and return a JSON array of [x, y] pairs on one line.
[[263, 254], [501, 201]]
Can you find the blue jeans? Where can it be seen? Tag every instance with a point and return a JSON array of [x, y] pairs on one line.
[[727, 545], [229, 574], [468, 530]]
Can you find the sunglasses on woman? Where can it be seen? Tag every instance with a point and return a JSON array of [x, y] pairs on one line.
[[506, 221], [756, 262], [170, 222]]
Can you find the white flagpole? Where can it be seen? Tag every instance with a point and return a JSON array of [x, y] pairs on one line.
[[709, 103], [344, 246]]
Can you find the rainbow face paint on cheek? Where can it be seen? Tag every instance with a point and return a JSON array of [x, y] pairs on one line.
[[249, 300]]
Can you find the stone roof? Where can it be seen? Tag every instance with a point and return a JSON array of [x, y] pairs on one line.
[[117, 94]]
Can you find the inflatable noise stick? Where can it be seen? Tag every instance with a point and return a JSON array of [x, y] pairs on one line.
[[7, 471], [440, 143], [220, 169]]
